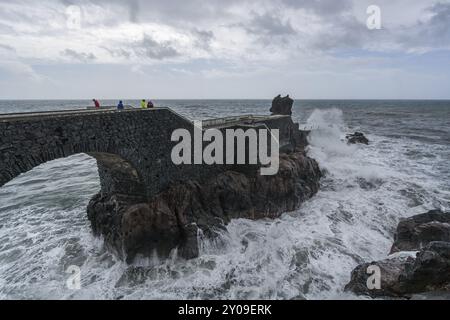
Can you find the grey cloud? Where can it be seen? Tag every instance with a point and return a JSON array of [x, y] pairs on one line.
[[11, 64], [346, 33], [203, 38], [269, 24], [7, 48], [148, 47], [196, 18], [118, 52], [321, 7], [435, 32], [184, 12], [79, 56], [268, 27], [133, 8], [6, 29], [173, 11], [152, 49]]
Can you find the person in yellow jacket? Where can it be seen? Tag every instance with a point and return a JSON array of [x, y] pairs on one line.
[[143, 104]]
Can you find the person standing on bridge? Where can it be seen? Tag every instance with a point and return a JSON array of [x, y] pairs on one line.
[[120, 105], [97, 104], [143, 104], [150, 105]]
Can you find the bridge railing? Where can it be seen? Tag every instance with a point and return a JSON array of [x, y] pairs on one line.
[[86, 110], [228, 121], [309, 127]]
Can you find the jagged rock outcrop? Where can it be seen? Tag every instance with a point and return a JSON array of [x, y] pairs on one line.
[[391, 269], [416, 232], [404, 276], [173, 218], [430, 271], [357, 138], [282, 106]]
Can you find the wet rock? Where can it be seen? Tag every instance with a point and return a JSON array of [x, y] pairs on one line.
[[357, 138], [391, 271], [173, 218], [416, 232], [430, 271], [400, 277], [148, 228], [427, 273], [282, 106]]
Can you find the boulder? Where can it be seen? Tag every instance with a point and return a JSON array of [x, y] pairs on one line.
[[282, 106], [404, 277], [391, 269], [430, 271], [417, 232], [357, 138], [427, 273]]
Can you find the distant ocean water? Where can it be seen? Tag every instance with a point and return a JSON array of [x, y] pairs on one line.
[[308, 253]]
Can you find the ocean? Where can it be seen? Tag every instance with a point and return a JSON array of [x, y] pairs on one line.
[[305, 254]]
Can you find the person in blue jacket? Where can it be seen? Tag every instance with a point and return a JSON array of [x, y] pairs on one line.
[[120, 105]]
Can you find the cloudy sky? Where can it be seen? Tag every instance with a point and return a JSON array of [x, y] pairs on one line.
[[223, 49]]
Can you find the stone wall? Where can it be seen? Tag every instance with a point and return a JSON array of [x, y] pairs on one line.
[[132, 148], [137, 141]]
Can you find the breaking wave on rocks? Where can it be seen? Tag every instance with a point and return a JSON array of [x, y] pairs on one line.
[[306, 254]]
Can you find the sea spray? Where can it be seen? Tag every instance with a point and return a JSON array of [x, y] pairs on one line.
[[329, 147]]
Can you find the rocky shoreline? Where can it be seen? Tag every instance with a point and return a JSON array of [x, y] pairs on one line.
[[419, 261]]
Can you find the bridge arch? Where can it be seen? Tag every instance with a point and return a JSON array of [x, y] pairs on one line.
[[117, 175], [132, 148]]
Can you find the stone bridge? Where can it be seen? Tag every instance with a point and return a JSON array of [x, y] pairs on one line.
[[133, 152], [132, 148]]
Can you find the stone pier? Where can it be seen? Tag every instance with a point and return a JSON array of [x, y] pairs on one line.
[[146, 202]]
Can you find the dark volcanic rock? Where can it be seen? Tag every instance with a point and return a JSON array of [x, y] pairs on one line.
[[430, 271], [391, 272], [173, 218], [356, 138], [427, 233], [400, 277], [282, 106], [416, 232], [142, 228]]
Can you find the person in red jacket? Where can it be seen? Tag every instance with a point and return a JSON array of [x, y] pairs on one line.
[[97, 104]]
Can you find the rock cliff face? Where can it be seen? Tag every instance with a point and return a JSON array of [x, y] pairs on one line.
[[428, 271], [173, 218]]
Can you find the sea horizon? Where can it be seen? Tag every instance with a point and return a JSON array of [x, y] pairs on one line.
[[231, 99]]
